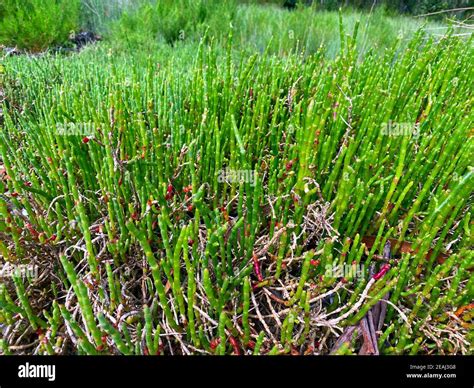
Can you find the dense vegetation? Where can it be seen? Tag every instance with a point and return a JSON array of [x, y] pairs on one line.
[[415, 7], [221, 192], [37, 24]]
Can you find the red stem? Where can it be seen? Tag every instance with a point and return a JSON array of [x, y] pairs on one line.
[[256, 268], [382, 271], [235, 345]]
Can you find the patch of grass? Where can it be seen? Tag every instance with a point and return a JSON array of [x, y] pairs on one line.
[[220, 191]]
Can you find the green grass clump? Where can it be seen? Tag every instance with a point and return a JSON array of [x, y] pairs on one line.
[[199, 201], [35, 25]]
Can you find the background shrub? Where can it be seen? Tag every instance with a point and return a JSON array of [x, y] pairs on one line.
[[36, 24]]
